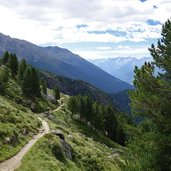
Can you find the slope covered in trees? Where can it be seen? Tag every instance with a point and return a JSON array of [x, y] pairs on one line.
[[105, 119], [75, 87]]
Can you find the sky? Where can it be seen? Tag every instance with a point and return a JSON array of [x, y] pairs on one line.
[[93, 29]]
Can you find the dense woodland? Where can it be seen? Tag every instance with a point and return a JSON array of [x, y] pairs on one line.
[[105, 119], [26, 75]]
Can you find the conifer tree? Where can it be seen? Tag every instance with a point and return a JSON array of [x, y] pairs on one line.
[[36, 91], [21, 69], [82, 108], [88, 108], [151, 100], [72, 105], [4, 77], [44, 86], [27, 81], [98, 117], [110, 122], [56, 93], [30, 83], [5, 58], [13, 64]]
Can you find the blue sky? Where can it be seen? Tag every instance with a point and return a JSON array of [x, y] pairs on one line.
[[92, 29]]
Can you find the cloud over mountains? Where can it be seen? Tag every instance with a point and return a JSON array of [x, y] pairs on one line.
[[68, 23]]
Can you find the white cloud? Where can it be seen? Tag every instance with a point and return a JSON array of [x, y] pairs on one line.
[[103, 48], [124, 51], [39, 21]]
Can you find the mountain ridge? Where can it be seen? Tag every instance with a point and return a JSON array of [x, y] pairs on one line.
[[62, 62], [121, 67]]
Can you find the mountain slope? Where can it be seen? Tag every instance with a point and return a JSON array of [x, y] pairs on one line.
[[75, 87], [122, 100], [69, 143], [63, 62], [88, 150], [121, 67]]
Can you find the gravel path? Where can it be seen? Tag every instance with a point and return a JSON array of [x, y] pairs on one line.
[[14, 162]]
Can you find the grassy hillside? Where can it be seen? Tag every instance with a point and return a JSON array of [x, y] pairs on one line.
[[89, 150], [79, 148], [17, 121], [17, 126]]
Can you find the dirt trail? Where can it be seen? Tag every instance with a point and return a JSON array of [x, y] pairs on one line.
[[58, 108], [14, 162]]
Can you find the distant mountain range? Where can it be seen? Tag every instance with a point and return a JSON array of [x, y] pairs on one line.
[[62, 62], [121, 67]]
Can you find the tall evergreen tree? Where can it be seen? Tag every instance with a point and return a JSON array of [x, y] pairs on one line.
[[152, 100], [21, 69], [98, 117], [36, 91], [4, 77], [27, 81], [110, 122], [88, 108], [56, 93], [5, 58], [43, 86], [30, 83], [13, 64], [72, 105]]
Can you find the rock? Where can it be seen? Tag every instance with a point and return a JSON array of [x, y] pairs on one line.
[[7, 140], [90, 139], [25, 131], [51, 98], [70, 136], [66, 149], [33, 106], [59, 134]]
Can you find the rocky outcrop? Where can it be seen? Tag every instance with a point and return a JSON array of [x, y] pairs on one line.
[[65, 146], [66, 149]]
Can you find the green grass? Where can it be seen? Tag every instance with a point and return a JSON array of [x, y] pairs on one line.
[[17, 125], [17, 122], [90, 151], [47, 155]]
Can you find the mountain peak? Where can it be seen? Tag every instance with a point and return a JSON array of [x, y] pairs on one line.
[[62, 62]]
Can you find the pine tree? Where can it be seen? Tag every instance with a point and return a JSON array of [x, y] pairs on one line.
[[4, 77], [5, 58], [36, 91], [98, 117], [151, 100], [110, 122], [82, 108], [13, 64], [72, 105], [88, 108], [43, 86], [56, 93], [27, 82], [21, 69], [30, 83]]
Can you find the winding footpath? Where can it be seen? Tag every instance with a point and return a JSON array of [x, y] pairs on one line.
[[14, 162]]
